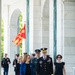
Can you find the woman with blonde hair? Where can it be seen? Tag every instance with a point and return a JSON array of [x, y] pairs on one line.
[[26, 67], [18, 65], [24, 58]]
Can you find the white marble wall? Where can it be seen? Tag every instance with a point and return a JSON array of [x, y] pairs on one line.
[[40, 24], [60, 25], [37, 32], [45, 32], [69, 36], [45, 25]]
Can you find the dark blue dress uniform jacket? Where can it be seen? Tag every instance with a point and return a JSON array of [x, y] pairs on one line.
[[34, 62], [45, 67], [23, 69]]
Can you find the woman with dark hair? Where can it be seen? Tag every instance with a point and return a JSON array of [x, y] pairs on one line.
[[59, 66], [26, 67]]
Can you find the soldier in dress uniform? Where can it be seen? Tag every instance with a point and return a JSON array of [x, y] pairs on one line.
[[44, 64], [33, 55], [5, 64], [25, 53], [34, 61]]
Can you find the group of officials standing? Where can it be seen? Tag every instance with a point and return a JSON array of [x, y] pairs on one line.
[[42, 65], [38, 65]]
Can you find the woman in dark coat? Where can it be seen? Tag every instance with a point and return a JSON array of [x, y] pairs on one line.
[[26, 68], [59, 66], [18, 69], [18, 65]]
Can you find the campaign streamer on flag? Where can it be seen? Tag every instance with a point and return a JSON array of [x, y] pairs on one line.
[[21, 35]]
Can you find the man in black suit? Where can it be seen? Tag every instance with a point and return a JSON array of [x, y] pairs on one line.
[[15, 61], [5, 64], [44, 64]]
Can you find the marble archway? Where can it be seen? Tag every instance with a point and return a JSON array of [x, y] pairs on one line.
[[14, 26], [13, 30]]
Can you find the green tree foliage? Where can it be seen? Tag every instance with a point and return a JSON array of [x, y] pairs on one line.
[[20, 26], [2, 38], [2, 35]]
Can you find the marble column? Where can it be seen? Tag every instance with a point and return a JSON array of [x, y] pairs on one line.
[[37, 27], [0, 36], [45, 25], [27, 25], [69, 35], [6, 26], [51, 28], [60, 25], [35, 36], [31, 27]]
